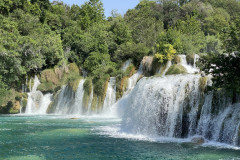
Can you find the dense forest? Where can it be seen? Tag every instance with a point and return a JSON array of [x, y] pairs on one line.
[[64, 42]]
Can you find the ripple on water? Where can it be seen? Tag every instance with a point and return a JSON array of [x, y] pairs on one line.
[[29, 157]]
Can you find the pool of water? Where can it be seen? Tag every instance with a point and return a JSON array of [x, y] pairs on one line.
[[57, 137]]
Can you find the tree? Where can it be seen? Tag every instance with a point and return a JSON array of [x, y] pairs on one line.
[[145, 21], [218, 20], [165, 53], [97, 60], [231, 36], [224, 69], [5, 6], [91, 12]]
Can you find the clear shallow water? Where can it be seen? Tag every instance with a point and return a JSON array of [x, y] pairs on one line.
[[56, 137]]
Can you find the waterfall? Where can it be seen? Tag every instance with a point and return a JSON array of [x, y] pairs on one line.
[[126, 65], [78, 103], [68, 102], [189, 68], [169, 63], [90, 103], [134, 78], [173, 106], [110, 98], [37, 102]]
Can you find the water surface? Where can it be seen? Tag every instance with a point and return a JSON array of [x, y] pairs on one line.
[[57, 137]]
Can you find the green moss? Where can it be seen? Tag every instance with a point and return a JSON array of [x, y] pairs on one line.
[[53, 79], [122, 85], [24, 104], [177, 59], [72, 67], [94, 105], [87, 86], [10, 103], [49, 75], [203, 83], [46, 87], [74, 83], [176, 69], [190, 59], [50, 108]]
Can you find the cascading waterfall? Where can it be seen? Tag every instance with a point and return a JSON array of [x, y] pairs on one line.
[[190, 69], [68, 102], [173, 106], [134, 78], [126, 65], [37, 102], [110, 98]]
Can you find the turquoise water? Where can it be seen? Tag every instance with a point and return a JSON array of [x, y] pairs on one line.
[[56, 137]]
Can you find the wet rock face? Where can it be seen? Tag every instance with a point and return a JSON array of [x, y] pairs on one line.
[[198, 140], [147, 65]]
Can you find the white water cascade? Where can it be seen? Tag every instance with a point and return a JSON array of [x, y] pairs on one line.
[[189, 68], [110, 98], [174, 107], [126, 65], [134, 78], [68, 102], [37, 102]]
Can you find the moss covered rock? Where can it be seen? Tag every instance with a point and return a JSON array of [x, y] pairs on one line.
[[131, 70], [190, 58], [88, 88], [52, 79], [122, 85], [203, 83], [147, 64], [177, 59], [176, 69], [10, 103]]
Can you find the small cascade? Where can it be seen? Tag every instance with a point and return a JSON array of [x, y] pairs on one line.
[[189, 68], [37, 102], [90, 103], [126, 65], [78, 102], [196, 58], [110, 98], [173, 106], [134, 78], [164, 70], [69, 102]]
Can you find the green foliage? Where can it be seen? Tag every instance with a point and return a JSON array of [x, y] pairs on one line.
[[145, 22], [231, 36], [186, 37], [214, 23], [213, 45], [97, 60], [223, 68], [165, 53], [91, 12], [132, 51]]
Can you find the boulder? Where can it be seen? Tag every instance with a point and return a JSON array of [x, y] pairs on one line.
[[198, 140]]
